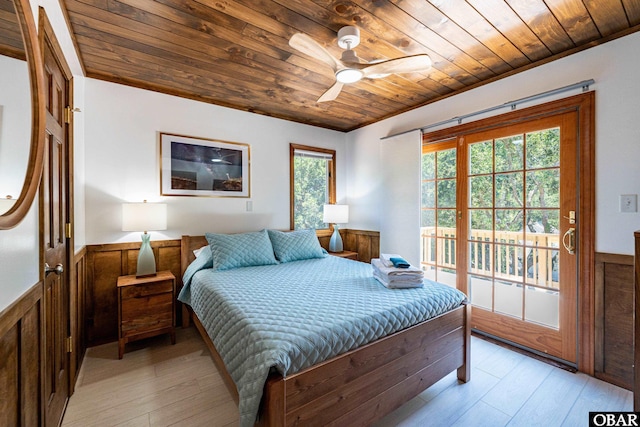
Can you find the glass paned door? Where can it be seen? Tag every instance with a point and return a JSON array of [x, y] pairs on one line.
[[520, 194], [438, 212]]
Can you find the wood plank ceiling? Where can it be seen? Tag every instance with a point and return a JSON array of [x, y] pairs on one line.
[[11, 43], [235, 53]]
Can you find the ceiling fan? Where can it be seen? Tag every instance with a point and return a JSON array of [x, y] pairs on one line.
[[350, 68]]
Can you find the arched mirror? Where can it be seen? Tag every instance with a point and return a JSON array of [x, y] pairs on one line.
[[22, 109]]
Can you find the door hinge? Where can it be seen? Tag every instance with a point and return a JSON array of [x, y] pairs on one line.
[[67, 114], [69, 345], [67, 230]]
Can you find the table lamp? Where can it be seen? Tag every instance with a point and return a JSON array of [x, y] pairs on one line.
[[144, 217], [335, 214]]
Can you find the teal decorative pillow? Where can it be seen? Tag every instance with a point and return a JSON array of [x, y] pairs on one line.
[[240, 250], [296, 245]]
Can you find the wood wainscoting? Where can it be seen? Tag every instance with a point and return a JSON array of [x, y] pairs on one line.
[[77, 317], [105, 263], [636, 332], [22, 356], [22, 337], [614, 281], [365, 243]]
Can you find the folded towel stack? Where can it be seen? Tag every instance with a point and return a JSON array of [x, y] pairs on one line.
[[396, 274], [394, 260]]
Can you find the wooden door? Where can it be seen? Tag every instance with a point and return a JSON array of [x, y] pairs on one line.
[[54, 211], [518, 233]]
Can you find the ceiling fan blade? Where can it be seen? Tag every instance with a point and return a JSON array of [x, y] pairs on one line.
[[309, 46], [406, 64], [331, 93]]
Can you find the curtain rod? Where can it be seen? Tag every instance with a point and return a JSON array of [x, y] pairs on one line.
[[583, 84]]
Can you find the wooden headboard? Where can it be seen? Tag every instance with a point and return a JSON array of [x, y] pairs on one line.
[[187, 245]]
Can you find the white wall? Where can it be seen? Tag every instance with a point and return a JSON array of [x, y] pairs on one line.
[[19, 247], [400, 196], [614, 67], [17, 257], [122, 161], [15, 125], [79, 228]]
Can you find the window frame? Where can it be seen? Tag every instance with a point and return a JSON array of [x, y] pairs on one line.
[[331, 178]]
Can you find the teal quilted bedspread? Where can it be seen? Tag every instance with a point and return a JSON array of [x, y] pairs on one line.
[[293, 315]]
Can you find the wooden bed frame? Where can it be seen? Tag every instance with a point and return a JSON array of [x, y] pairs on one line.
[[362, 385]]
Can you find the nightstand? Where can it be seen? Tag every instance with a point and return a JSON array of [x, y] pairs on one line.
[[146, 307], [346, 254]]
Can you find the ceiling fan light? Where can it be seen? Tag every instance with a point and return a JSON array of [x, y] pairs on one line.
[[348, 75]]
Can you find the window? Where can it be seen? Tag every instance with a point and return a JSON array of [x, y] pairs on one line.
[[313, 184], [438, 212]]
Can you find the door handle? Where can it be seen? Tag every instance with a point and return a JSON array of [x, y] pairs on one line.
[[58, 269], [571, 246]]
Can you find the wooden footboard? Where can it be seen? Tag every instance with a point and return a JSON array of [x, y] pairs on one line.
[[363, 385]]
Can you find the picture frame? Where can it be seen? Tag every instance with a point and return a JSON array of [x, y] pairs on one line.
[[191, 166]]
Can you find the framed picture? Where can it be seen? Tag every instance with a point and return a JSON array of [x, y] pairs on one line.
[[203, 167]]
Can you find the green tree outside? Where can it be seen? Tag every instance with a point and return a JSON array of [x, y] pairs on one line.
[[514, 186], [310, 193]]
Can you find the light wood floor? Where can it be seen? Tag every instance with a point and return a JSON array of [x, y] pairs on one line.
[[157, 384]]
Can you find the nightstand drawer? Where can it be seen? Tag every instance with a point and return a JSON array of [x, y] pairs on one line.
[[146, 307], [145, 290], [146, 313]]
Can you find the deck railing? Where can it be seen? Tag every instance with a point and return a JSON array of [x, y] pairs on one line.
[[502, 254]]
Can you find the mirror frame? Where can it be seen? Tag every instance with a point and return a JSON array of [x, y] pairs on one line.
[[23, 203]]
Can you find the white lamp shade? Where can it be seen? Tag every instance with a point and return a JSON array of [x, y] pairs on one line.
[[6, 204], [144, 216], [335, 214]]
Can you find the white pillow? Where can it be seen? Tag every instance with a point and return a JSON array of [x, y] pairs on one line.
[[197, 252]]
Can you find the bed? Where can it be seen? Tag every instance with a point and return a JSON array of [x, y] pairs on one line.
[[355, 387]]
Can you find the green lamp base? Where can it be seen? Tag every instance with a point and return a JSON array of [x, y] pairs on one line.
[[146, 260]]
